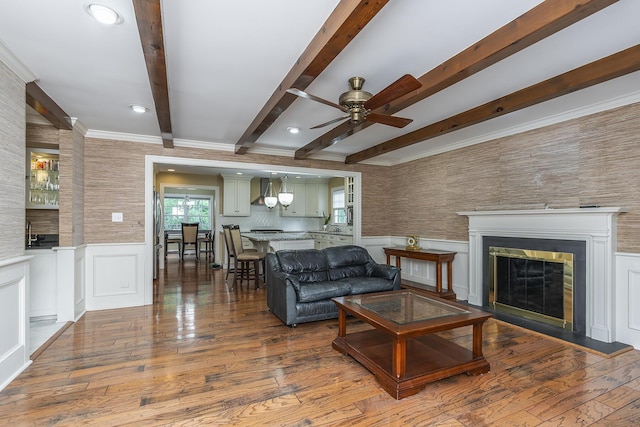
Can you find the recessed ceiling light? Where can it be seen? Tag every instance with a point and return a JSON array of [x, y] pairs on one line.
[[139, 108], [293, 130], [171, 170], [104, 14], [238, 173]]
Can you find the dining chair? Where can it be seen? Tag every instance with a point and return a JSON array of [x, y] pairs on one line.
[[207, 239], [226, 231], [246, 261], [189, 237]]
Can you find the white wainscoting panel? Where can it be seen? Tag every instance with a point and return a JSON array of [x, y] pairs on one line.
[[71, 283], [425, 271], [42, 282], [14, 317], [628, 299], [115, 276]]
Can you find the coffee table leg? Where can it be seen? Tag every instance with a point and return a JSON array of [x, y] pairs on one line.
[[399, 357], [342, 323], [477, 340]]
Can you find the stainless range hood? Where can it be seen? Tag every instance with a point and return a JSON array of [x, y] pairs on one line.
[[264, 183]]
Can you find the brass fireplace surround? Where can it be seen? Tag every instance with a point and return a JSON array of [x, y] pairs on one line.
[[536, 255]]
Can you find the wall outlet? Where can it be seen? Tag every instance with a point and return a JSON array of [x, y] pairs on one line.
[[117, 217]]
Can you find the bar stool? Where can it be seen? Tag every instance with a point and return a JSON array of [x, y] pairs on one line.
[[246, 261]]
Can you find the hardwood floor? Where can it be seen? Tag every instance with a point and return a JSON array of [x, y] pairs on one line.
[[204, 355]]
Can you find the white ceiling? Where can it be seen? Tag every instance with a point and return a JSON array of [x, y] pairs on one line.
[[226, 58]]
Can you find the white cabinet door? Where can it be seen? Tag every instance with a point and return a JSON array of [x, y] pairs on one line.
[[349, 191], [236, 199], [297, 207], [316, 202]]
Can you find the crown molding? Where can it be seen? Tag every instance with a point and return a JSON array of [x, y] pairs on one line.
[[119, 136], [576, 113], [15, 64]]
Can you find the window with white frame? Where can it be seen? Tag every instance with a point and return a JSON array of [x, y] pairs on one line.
[[189, 209], [338, 206]]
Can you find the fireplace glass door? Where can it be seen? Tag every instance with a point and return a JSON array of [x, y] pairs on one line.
[[534, 284]]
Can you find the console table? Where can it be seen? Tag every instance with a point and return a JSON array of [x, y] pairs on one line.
[[433, 255]]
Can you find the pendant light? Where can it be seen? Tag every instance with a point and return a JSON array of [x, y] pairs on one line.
[[270, 199], [285, 196]]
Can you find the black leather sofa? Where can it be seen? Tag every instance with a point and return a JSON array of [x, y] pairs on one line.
[[301, 283]]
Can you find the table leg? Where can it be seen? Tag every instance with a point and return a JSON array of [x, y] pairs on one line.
[[477, 340], [450, 276], [438, 277], [399, 357], [342, 323]]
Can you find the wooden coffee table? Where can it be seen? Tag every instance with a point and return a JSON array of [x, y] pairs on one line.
[[402, 350]]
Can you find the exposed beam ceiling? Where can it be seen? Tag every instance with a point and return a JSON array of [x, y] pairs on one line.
[[149, 19], [342, 26], [540, 22], [611, 67], [43, 104]]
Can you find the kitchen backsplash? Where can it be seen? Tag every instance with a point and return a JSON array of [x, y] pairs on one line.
[[263, 217]]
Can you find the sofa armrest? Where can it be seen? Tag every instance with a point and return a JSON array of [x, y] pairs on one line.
[[282, 297], [388, 272]]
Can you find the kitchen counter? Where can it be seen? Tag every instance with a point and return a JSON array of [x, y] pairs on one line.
[[44, 241], [271, 237], [272, 242], [333, 233]]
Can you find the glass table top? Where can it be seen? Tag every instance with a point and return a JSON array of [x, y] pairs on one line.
[[405, 307]]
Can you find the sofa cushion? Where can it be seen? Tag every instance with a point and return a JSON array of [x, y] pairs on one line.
[[363, 285], [308, 265], [348, 261], [309, 292]]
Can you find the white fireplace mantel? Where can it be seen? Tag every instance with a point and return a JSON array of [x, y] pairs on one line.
[[597, 227]]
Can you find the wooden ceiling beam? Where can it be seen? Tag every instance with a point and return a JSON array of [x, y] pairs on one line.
[[538, 23], [149, 19], [602, 70], [345, 22], [47, 107]]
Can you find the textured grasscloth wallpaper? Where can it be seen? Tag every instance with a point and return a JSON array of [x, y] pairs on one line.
[[12, 153], [592, 160], [114, 182], [587, 161]]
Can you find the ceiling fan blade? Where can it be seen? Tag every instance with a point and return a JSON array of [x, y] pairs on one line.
[[395, 90], [398, 122], [330, 122], [306, 95]]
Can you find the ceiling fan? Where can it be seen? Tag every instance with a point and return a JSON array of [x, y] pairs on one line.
[[358, 103]]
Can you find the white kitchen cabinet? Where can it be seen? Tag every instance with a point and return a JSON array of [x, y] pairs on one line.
[[326, 240], [297, 207], [349, 191], [236, 200], [42, 283], [316, 202], [310, 199], [280, 245]]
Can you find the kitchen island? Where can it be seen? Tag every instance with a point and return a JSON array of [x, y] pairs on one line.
[[272, 242]]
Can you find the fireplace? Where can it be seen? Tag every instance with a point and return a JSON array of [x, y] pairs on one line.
[[587, 233], [537, 279]]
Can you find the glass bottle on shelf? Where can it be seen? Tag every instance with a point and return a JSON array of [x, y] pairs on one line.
[[44, 181]]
